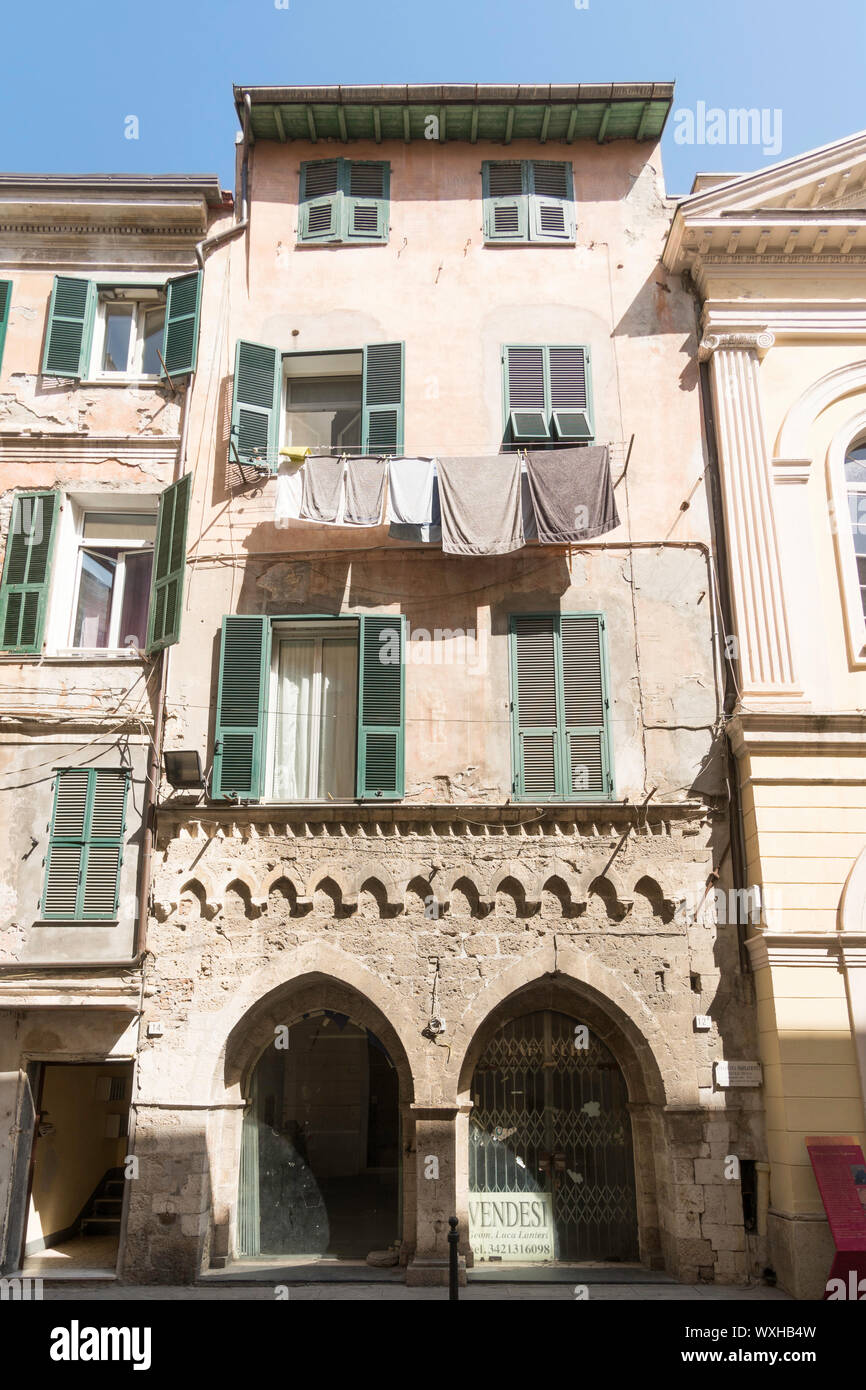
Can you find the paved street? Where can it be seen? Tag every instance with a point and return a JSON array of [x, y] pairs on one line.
[[362, 1292]]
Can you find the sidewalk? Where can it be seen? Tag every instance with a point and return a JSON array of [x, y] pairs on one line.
[[473, 1293]]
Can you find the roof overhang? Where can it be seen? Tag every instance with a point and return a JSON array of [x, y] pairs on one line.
[[464, 112], [180, 202]]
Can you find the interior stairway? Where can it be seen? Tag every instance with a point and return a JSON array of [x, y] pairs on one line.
[[101, 1216]]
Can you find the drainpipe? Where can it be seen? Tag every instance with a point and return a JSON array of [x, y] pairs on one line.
[[219, 237]]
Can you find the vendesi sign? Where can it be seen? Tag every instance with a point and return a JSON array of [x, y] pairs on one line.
[[516, 1226]]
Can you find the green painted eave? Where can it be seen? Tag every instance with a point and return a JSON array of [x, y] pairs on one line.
[[465, 112]]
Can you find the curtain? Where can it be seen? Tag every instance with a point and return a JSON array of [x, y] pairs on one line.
[[249, 1224], [294, 720], [339, 697]]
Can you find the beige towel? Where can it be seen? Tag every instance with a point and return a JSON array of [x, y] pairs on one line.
[[480, 500]]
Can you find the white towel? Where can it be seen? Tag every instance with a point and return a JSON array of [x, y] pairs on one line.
[[290, 491], [410, 491]]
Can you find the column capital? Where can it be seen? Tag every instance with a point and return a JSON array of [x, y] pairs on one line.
[[759, 342]]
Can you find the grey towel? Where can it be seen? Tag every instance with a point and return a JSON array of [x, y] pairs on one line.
[[480, 500], [365, 491], [323, 489], [572, 494]]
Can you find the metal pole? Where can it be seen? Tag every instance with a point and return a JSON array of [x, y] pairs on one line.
[[453, 1240]]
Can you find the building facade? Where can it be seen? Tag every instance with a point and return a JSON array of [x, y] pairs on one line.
[[442, 911], [777, 261]]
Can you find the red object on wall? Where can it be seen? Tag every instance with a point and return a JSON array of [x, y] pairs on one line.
[[840, 1172]]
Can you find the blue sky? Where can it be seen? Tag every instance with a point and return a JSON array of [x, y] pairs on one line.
[[171, 63]]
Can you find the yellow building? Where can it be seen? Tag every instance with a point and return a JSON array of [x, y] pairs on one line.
[[777, 260]]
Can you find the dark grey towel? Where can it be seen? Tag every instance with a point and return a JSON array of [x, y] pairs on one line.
[[323, 488], [572, 494], [365, 491]]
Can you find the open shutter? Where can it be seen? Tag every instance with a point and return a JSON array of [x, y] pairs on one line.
[[503, 186], [169, 566], [85, 849], [383, 399], [320, 201], [180, 338], [586, 707], [27, 571], [256, 403], [244, 666], [5, 306], [551, 201], [381, 708], [366, 205], [70, 327], [526, 395], [534, 707], [571, 393]]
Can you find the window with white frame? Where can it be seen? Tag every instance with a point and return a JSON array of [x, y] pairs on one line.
[[113, 561], [323, 400], [855, 483], [314, 702], [128, 335]]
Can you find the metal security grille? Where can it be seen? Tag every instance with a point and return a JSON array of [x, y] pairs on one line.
[[550, 1116]]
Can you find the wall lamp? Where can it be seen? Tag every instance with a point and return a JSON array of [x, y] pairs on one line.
[[183, 768]]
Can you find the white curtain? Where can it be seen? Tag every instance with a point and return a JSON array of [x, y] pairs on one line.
[[339, 698], [294, 703], [314, 756]]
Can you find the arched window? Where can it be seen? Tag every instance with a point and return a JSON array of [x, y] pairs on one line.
[[855, 484]]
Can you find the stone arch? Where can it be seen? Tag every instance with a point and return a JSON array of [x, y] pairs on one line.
[[283, 871], [377, 872], [851, 915], [601, 869], [846, 437], [251, 886], [792, 441], [662, 903], [444, 881], [512, 868], [345, 881]]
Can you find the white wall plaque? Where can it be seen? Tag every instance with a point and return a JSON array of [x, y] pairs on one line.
[[738, 1074]]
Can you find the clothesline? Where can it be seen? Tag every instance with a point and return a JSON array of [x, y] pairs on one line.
[[471, 505]]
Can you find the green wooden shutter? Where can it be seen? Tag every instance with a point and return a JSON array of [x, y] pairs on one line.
[[240, 721], [506, 205], [570, 393], [169, 566], [586, 756], [560, 708], [551, 200], [320, 201], [382, 431], [256, 403], [27, 571], [366, 200], [180, 338], [85, 848], [527, 405], [535, 707], [381, 706], [5, 306], [70, 327]]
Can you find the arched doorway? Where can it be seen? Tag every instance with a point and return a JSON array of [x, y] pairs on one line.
[[551, 1166], [320, 1150]]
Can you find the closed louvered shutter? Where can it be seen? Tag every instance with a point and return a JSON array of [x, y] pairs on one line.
[[256, 403], [585, 704], [320, 203], [5, 306], [85, 849], [551, 200], [527, 405], [27, 571], [560, 708], [506, 210], [366, 201], [180, 339], [381, 708], [536, 722], [570, 395], [244, 666], [169, 566], [382, 430], [70, 327]]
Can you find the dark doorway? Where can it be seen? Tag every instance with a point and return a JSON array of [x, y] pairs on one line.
[[320, 1157]]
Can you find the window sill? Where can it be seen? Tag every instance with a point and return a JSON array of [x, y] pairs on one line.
[[548, 245], [334, 245], [75, 922], [84, 658], [123, 381]]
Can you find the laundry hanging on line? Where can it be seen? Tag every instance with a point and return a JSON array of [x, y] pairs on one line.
[[480, 499], [572, 494]]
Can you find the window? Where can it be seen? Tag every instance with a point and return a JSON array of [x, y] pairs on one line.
[[116, 579], [855, 482], [528, 200], [548, 394], [349, 401], [324, 399], [560, 708], [113, 579], [310, 709], [343, 200], [85, 848], [120, 332], [5, 306]]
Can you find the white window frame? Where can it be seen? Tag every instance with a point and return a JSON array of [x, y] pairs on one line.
[[315, 630], [139, 309], [333, 363], [850, 436], [71, 542]]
